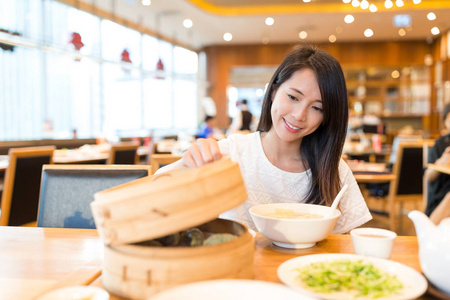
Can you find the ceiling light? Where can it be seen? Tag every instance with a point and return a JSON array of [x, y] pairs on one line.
[[417, 1], [399, 3], [431, 16], [332, 38], [227, 36], [395, 74], [270, 21], [188, 23], [435, 31], [373, 7], [303, 35], [364, 4], [401, 32], [388, 4], [146, 2], [368, 32], [355, 3], [349, 19]]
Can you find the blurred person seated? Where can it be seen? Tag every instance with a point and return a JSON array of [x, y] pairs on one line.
[[206, 129], [244, 119], [439, 183]]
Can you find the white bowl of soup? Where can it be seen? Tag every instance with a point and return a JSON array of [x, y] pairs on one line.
[[294, 225]]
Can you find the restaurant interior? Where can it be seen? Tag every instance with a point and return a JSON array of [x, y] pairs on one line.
[[97, 95]]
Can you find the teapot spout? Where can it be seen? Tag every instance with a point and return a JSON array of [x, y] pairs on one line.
[[425, 228]]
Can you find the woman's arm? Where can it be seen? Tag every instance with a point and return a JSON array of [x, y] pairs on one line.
[[430, 174]]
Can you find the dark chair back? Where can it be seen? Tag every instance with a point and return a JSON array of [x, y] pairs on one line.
[[20, 195], [124, 154], [68, 190], [408, 185]]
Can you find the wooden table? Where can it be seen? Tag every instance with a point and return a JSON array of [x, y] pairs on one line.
[[374, 178], [35, 260], [440, 168]]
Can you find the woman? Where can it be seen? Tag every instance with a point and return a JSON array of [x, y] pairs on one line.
[[438, 201], [295, 156]]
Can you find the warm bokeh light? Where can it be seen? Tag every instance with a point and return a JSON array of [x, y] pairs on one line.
[[368, 32], [346, 1], [388, 4], [364, 4], [146, 2], [265, 40], [399, 3], [401, 32], [332, 38], [417, 1], [431, 16], [349, 19], [227, 36], [395, 74], [187, 23], [355, 3], [435, 31], [269, 21], [373, 7], [303, 35]]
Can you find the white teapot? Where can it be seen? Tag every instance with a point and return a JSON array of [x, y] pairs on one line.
[[434, 249]]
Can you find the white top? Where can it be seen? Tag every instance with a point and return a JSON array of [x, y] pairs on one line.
[[265, 183]]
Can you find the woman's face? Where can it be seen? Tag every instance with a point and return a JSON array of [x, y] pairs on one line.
[[297, 107]]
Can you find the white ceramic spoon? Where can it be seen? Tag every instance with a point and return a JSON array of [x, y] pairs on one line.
[[336, 200]]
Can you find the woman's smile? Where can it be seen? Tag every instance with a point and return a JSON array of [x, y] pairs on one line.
[[291, 127]]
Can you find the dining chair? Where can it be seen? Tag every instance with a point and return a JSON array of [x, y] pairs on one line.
[[124, 154], [408, 186], [20, 195], [160, 160], [68, 190]]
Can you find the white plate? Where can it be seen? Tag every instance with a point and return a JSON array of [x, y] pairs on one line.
[[80, 292], [414, 283], [230, 289]]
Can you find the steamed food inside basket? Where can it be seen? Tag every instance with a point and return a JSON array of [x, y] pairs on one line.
[[212, 233], [291, 214]]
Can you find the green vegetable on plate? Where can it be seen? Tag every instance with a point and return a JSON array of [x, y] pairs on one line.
[[358, 278]]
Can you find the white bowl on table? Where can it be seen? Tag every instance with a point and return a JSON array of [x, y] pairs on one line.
[[294, 233]]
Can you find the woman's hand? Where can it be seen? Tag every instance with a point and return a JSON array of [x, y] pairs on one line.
[[202, 152]]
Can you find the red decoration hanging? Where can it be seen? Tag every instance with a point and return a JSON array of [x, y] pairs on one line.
[[159, 68], [126, 56], [160, 65], [76, 41]]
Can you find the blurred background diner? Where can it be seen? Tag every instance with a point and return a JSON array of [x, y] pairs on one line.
[[88, 76]]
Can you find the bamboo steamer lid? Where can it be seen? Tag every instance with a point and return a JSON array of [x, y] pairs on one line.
[[167, 203]]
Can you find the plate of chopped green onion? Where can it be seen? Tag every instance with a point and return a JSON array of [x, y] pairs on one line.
[[350, 276]]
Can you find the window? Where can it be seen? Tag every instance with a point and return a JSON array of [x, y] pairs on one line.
[[50, 87]]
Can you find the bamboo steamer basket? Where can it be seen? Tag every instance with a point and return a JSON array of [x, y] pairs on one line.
[[157, 206]]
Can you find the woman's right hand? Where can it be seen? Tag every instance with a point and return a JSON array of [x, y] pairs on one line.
[[202, 152]]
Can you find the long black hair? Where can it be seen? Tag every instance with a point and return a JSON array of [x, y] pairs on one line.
[[322, 149]]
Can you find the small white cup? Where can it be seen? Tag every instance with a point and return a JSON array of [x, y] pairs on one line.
[[375, 242]]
